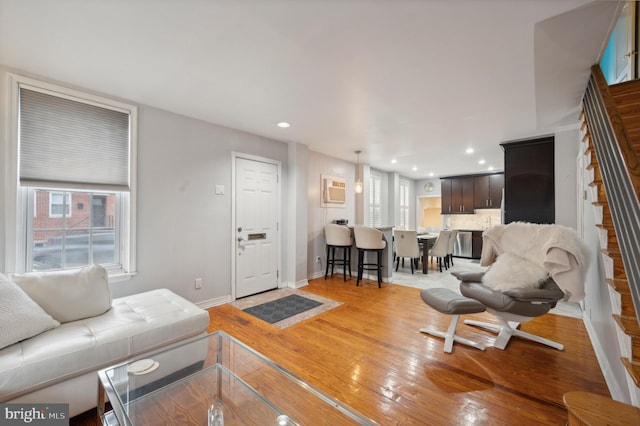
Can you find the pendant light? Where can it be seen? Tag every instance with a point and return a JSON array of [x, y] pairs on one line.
[[358, 185]]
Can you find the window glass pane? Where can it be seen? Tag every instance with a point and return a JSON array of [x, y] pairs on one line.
[[83, 232]]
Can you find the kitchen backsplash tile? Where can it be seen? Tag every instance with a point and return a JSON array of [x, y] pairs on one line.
[[481, 219]]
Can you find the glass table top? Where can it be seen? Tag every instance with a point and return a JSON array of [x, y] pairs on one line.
[[214, 380]]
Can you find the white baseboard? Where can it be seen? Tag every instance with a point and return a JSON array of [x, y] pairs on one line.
[[298, 284], [210, 303], [317, 275], [609, 377]]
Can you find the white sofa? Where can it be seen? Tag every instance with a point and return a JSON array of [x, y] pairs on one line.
[[58, 328]]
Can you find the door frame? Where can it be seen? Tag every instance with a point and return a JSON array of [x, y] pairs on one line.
[[234, 156]]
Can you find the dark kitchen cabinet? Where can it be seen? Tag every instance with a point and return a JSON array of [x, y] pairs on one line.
[[457, 195], [487, 191], [529, 188], [445, 196], [462, 194]]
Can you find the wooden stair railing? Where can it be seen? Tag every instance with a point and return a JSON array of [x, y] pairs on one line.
[[611, 133]]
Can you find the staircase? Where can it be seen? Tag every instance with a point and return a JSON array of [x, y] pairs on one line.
[[611, 138]]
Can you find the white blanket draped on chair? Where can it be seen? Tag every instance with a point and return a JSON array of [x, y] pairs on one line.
[[556, 248]]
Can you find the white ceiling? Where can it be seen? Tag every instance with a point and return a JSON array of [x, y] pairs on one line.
[[410, 80]]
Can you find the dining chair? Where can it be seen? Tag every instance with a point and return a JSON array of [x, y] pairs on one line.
[[440, 249], [406, 247], [453, 236], [338, 237], [369, 240]]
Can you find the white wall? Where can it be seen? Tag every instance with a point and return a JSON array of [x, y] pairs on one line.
[[421, 192], [318, 216], [565, 151], [184, 229], [297, 223]]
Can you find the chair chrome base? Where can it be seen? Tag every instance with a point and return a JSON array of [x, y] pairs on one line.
[[507, 329], [450, 336]]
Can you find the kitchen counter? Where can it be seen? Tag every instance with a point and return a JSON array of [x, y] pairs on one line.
[[387, 255]]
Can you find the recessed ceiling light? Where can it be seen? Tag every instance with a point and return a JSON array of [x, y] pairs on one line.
[[431, 174], [469, 151], [284, 124], [394, 161], [490, 168], [481, 162], [414, 168]]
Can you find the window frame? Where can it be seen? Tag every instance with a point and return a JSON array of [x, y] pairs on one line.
[[17, 250]]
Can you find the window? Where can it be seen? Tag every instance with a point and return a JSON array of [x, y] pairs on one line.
[[375, 204], [74, 160], [59, 204], [404, 204]]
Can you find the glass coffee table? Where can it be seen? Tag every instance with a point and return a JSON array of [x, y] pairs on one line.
[[214, 380]]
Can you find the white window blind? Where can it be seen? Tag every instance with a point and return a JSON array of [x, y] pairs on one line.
[[375, 207], [404, 204], [66, 142]]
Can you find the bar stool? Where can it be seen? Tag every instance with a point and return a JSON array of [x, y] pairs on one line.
[[369, 240], [338, 236]]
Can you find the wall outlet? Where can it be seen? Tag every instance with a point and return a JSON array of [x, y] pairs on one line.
[[317, 259], [198, 283]]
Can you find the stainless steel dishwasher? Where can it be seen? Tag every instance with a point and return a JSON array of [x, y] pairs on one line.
[[463, 246]]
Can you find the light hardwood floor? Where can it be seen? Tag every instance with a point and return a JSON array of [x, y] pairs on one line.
[[369, 354]]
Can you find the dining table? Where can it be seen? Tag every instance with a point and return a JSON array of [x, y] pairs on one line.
[[426, 241]]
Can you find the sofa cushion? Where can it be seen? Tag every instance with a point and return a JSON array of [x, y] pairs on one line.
[[135, 324], [20, 316], [68, 295]]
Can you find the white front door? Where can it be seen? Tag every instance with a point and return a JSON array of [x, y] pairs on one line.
[[256, 236]]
